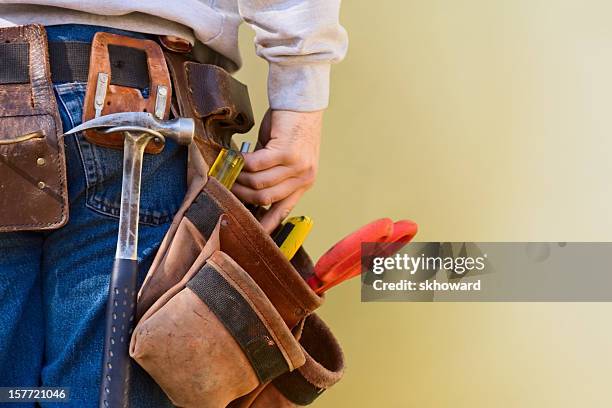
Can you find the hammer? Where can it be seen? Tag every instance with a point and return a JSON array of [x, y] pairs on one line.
[[138, 129]]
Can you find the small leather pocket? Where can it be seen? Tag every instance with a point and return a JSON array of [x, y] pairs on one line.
[[219, 100], [323, 368], [33, 191], [216, 339]]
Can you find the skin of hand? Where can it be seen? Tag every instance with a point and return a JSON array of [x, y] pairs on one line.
[[285, 165]]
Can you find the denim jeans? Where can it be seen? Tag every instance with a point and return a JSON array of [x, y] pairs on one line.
[[54, 285]]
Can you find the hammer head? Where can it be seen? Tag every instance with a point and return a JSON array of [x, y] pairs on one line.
[[181, 130]]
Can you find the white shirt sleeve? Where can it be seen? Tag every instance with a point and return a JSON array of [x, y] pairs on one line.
[[300, 39]]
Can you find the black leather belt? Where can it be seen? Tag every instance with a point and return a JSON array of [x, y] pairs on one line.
[[69, 62]]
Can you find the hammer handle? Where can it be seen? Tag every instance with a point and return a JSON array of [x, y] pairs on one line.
[[120, 311]]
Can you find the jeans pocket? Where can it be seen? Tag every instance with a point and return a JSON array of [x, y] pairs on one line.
[[164, 175]]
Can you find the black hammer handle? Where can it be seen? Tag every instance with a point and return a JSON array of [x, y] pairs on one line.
[[120, 311]]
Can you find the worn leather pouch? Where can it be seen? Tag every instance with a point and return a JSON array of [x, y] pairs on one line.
[[323, 368], [218, 102], [220, 106], [181, 340], [214, 336], [244, 240], [33, 193]]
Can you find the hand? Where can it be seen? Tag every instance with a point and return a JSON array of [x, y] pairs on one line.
[[280, 173]]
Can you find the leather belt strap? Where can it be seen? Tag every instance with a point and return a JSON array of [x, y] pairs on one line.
[[70, 63]]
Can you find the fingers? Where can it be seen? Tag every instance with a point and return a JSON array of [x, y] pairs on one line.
[[270, 195], [279, 211], [266, 178], [285, 164], [263, 159]]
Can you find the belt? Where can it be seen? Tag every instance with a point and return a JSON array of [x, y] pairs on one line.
[[69, 62]]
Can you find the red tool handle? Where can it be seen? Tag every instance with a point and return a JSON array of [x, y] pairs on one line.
[[343, 261]]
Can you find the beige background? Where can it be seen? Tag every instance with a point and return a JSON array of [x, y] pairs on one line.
[[480, 120]]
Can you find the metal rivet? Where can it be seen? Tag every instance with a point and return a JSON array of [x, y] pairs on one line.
[[41, 185], [40, 161]]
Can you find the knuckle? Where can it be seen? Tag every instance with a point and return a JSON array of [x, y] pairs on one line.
[[303, 166], [258, 184], [310, 176], [292, 156], [263, 199], [309, 183]]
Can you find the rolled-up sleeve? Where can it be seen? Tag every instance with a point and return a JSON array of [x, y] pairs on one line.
[[300, 39]]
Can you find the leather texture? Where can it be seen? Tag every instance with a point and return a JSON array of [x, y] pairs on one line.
[[182, 245], [124, 98], [243, 239], [323, 368], [33, 191], [219, 103], [179, 340], [192, 351]]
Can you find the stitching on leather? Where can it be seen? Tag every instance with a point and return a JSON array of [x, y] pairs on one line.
[[56, 159]]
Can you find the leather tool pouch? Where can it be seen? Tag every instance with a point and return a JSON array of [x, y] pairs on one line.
[[33, 193], [181, 344], [323, 368], [221, 308], [215, 336], [218, 102]]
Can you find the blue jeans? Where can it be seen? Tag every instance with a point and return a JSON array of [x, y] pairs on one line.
[[54, 285]]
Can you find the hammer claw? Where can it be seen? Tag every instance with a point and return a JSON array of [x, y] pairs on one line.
[[181, 130]]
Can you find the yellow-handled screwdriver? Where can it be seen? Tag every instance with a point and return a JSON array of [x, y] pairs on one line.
[[228, 165]]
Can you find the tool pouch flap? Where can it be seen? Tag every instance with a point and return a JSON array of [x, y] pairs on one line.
[[219, 103], [220, 100], [33, 193], [214, 336], [243, 238]]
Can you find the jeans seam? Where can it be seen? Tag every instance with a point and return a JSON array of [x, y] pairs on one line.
[[78, 146]]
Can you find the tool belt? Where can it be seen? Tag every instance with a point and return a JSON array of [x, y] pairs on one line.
[[224, 319], [33, 191]]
